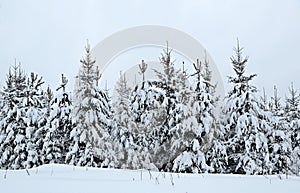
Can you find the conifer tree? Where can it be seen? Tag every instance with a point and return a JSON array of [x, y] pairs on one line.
[[245, 124], [13, 126], [195, 131], [170, 82], [59, 125], [35, 132], [279, 141], [122, 127], [91, 143], [122, 113], [22, 133], [292, 121], [148, 111], [125, 133]]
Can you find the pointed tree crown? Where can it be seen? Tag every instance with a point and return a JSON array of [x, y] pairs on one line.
[[89, 73], [239, 62], [16, 78], [293, 100]]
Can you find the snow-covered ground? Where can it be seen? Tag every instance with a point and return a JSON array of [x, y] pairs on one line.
[[64, 179]]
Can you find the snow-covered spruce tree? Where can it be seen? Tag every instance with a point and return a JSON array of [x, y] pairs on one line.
[[279, 141], [131, 154], [148, 111], [123, 125], [208, 117], [170, 82], [292, 124], [205, 105], [13, 126], [195, 131], [245, 124], [184, 146], [59, 126], [91, 143], [22, 133], [35, 119]]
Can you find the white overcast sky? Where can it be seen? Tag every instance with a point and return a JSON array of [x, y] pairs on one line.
[[48, 37]]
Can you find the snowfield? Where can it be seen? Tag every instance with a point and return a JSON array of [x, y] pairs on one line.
[[62, 178]]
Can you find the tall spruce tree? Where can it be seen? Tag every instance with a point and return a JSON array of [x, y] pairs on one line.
[[292, 121], [35, 119], [122, 129], [12, 123], [170, 82], [124, 125], [181, 135], [91, 144], [245, 124], [279, 141], [198, 123], [22, 133]]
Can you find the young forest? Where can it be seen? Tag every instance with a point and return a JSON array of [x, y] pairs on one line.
[[165, 124]]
